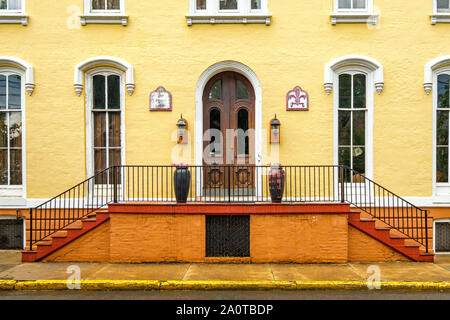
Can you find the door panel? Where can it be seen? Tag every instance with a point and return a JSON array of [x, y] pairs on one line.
[[232, 137]]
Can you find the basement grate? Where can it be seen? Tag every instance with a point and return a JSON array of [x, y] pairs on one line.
[[11, 234], [442, 233], [228, 236]]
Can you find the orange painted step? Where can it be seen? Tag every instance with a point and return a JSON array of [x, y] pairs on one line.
[[64, 237], [390, 237]]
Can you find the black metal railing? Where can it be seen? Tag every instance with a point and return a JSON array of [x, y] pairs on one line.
[[228, 184]]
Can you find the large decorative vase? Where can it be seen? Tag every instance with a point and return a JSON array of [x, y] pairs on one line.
[[182, 182], [276, 183]]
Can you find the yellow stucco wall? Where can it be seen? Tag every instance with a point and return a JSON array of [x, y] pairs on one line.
[[292, 51]]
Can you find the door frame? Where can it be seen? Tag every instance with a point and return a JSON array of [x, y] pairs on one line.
[[203, 80]]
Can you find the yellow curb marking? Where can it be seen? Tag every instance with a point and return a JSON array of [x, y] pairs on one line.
[[215, 285]]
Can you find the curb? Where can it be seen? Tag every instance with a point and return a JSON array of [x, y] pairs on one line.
[[216, 285]]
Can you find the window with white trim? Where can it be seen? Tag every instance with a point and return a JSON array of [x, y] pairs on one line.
[[353, 11], [352, 119], [441, 11], [443, 6], [10, 6], [105, 6], [11, 120], [105, 103], [228, 11], [442, 128], [104, 11], [13, 11]]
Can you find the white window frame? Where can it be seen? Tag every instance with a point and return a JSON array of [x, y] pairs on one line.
[[14, 16], [354, 15], [89, 114], [441, 190], [369, 116], [16, 194], [104, 16], [434, 235], [213, 15], [439, 17]]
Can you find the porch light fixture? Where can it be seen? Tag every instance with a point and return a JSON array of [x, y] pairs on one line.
[[182, 130], [275, 130]]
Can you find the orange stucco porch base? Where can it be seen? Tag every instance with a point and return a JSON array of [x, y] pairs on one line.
[[279, 233]]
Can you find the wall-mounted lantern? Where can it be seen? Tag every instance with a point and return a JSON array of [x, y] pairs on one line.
[[182, 131], [275, 130]]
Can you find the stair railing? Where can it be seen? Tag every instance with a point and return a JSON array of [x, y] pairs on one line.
[[227, 184]]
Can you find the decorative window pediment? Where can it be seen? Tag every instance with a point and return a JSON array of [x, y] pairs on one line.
[[228, 11], [353, 11], [104, 61], [358, 62], [104, 11], [25, 67], [13, 11]]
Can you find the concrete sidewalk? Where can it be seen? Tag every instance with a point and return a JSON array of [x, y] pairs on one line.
[[192, 276]]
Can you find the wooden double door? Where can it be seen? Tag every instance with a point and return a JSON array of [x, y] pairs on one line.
[[229, 134]]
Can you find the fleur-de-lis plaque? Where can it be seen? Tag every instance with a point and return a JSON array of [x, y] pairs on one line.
[[297, 100]]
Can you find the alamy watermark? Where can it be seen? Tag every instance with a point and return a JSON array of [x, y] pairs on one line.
[[74, 280]]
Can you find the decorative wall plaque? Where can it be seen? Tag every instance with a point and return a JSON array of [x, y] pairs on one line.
[[297, 100], [160, 100]]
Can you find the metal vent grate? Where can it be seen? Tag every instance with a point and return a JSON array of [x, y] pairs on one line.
[[228, 236], [11, 234], [442, 236]]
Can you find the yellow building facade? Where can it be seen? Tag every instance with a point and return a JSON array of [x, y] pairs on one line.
[[58, 48]]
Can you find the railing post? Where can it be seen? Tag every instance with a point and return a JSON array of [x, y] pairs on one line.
[[426, 230], [229, 184], [31, 229], [341, 177], [115, 184]]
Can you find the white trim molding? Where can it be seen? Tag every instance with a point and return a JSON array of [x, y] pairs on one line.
[[104, 16], [14, 16], [103, 61], [355, 61], [25, 67], [213, 15], [430, 68], [439, 17], [364, 15]]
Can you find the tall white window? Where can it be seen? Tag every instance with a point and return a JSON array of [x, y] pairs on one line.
[[442, 128], [105, 103], [11, 122], [354, 79], [352, 119], [228, 11]]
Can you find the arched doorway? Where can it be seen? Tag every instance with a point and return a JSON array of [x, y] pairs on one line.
[[229, 133]]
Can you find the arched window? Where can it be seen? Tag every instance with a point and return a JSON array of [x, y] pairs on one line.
[[11, 133], [105, 104], [437, 78], [354, 79]]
